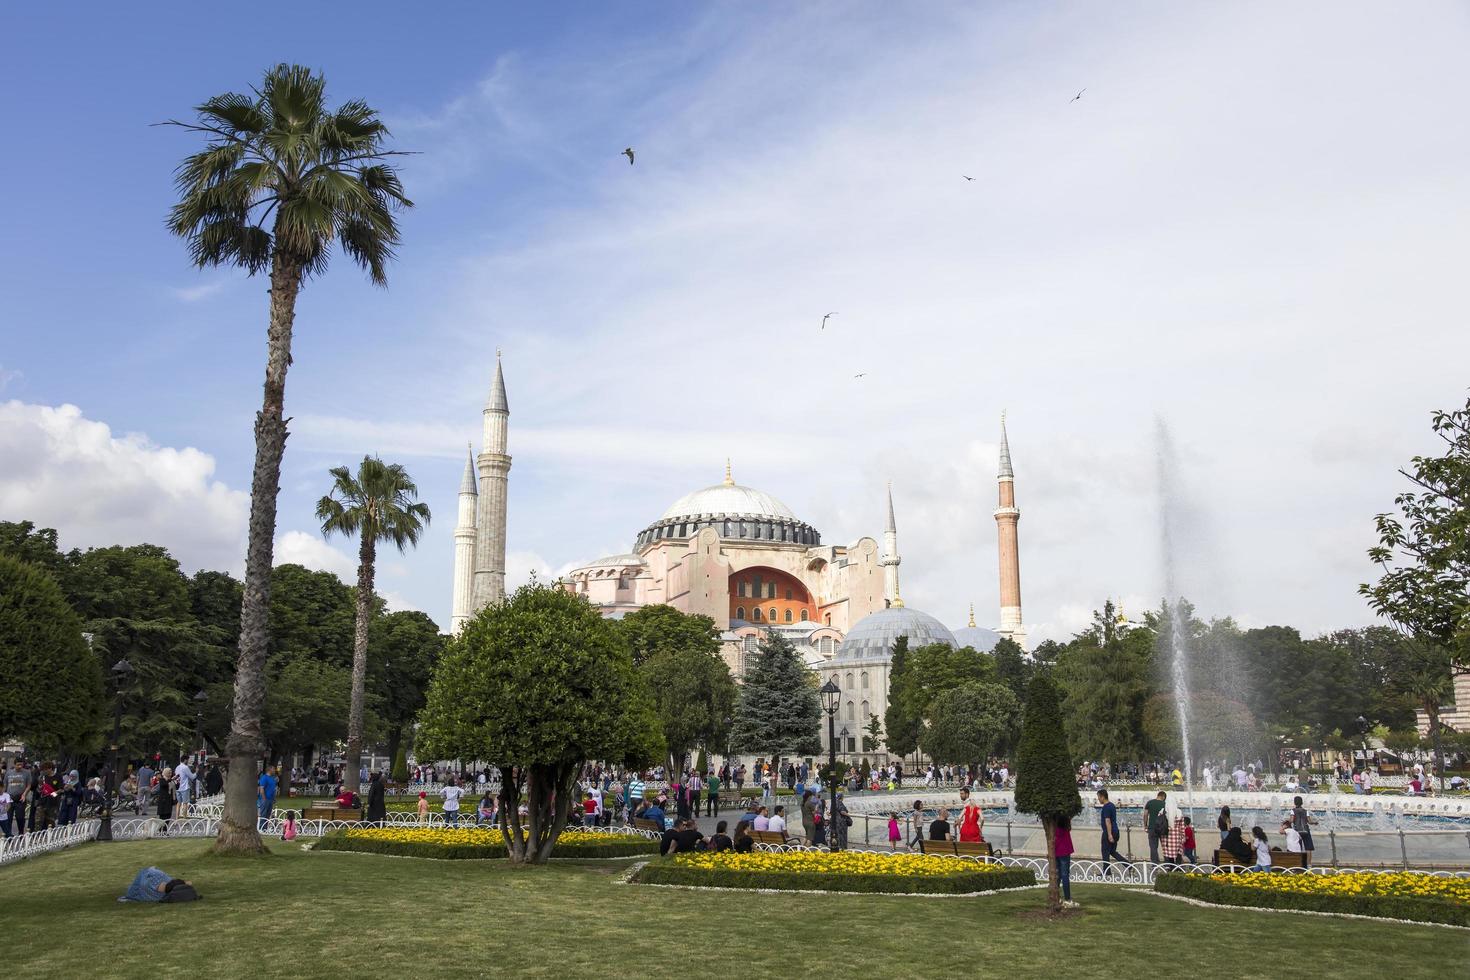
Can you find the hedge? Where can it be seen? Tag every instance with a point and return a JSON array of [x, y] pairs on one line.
[[1210, 888], [616, 846], [669, 873]]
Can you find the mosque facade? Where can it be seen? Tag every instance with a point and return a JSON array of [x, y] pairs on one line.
[[745, 559]]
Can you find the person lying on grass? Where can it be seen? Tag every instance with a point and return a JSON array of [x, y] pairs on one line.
[[155, 885]]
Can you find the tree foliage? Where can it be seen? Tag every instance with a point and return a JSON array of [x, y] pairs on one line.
[[901, 725], [539, 685], [1105, 674], [52, 694], [1045, 784], [968, 722], [780, 712]]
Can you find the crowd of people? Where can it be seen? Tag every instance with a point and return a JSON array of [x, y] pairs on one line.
[[37, 795]]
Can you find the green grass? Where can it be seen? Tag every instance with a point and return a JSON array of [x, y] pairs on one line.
[[299, 914]]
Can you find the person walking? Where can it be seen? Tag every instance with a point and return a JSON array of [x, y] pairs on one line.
[[712, 795], [265, 795], [635, 795], [1062, 839], [377, 805], [1154, 824], [17, 784], [145, 787], [184, 776], [1108, 817], [840, 822], [1301, 822], [1172, 843]]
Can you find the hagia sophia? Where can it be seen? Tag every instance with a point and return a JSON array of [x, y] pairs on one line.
[[745, 559]]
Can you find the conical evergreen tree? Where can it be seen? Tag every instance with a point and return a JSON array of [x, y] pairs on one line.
[[780, 712], [1045, 784]]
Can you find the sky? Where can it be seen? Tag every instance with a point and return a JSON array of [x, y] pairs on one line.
[[1221, 292]]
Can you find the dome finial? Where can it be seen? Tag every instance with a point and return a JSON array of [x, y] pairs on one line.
[[729, 480], [972, 616]]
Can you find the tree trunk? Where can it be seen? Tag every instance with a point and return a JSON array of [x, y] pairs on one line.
[[510, 816], [237, 833], [395, 742], [367, 556], [1053, 887]]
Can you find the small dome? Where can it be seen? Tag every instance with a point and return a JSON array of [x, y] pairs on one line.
[[731, 499], [978, 637], [873, 636]]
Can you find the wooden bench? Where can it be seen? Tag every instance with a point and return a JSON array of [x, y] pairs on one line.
[[958, 848], [771, 837], [654, 825], [1279, 859], [319, 810]]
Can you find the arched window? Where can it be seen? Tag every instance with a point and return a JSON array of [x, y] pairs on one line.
[[829, 619], [756, 612], [847, 683], [788, 618], [849, 711], [865, 681], [788, 595], [740, 589], [770, 590], [773, 614], [739, 612], [866, 712], [803, 615]]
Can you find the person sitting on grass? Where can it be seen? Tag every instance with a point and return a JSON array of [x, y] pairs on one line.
[[154, 885], [288, 826]]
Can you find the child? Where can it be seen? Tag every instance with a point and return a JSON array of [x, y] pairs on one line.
[[1263, 849], [894, 835], [288, 826], [1189, 853], [423, 807]]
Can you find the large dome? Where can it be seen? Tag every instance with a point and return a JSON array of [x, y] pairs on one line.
[[734, 512], [874, 635], [979, 637], [731, 499]]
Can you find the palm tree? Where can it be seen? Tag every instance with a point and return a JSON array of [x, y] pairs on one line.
[[278, 155], [377, 505]]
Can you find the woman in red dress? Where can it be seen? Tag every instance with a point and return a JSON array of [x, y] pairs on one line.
[[971, 820]]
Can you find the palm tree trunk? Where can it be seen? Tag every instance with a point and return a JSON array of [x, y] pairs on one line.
[[237, 833], [367, 557]]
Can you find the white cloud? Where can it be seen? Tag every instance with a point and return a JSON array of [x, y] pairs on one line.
[[193, 294], [311, 551], [66, 471], [8, 375]]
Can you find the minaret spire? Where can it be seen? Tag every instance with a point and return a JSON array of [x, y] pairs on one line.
[[1007, 515], [493, 466], [891, 560], [465, 533]]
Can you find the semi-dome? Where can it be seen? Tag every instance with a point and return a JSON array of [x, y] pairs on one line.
[[874, 635], [734, 511], [978, 637]]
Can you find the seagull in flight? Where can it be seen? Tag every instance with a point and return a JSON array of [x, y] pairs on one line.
[[1077, 96], [824, 319], [863, 375], [629, 154], [967, 176]]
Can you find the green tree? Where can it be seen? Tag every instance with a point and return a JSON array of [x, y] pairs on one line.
[[311, 616], [1218, 726], [52, 696], [872, 733], [378, 503], [318, 176], [1045, 780], [22, 540], [539, 685], [403, 648], [780, 713], [693, 693], [901, 724], [967, 722], [1423, 554], [1104, 676]]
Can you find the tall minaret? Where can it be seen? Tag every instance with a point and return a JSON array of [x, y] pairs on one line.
[[494, 466], [890, 560], [1006, 518], [464, 546]]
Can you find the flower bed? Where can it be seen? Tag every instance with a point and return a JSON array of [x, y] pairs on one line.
[[462, 843], [844, 871], [1396, 895]]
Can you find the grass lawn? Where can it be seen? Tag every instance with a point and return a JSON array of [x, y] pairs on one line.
[[303, 914]]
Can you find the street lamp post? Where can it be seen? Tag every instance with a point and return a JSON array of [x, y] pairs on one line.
[[121, 671], [831, 694]]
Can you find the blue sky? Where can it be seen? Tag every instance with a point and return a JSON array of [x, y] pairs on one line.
[[1252, 225]]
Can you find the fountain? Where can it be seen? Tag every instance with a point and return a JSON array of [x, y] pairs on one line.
[[1175, 607]]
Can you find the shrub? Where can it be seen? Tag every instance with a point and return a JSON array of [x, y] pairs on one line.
[[1344, 899], [850, 871], [454, 844]]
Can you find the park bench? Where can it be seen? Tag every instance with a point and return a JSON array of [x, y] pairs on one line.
[[1279, 859], [958, 848], [329, 810], [730, 797], [656, 826], [772, 837]]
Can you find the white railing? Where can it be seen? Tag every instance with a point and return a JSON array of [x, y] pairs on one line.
[[23, 846]]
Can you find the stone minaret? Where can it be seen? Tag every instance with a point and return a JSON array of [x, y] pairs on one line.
[[464, 546], [1006, 518], [890, 560], [494, 466]]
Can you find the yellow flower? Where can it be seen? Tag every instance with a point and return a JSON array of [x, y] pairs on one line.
[[840, 862]]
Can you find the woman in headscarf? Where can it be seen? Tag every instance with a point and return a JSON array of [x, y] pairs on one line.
[[1172, 845], [166, 797], [377, 808], [71, 798]]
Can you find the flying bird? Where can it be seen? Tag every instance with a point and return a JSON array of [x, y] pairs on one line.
[[863, 375], [1077, 96], [824, 320], [629, 154], [967, 176]]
